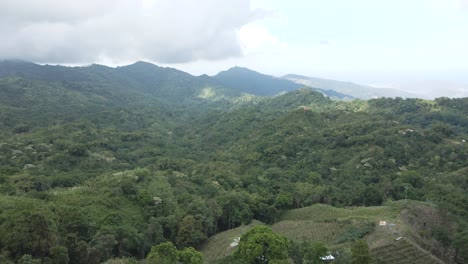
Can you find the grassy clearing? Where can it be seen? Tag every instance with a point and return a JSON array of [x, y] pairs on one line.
[[322, 212], [328, 224], [307, 230], [219, 245]]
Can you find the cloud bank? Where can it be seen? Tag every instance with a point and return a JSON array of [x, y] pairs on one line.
[[165, 31]]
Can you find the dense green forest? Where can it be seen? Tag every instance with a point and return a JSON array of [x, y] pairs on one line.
[[99, 163]]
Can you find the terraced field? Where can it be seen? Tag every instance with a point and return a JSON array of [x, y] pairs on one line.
[[403, 252], [306, 230], [328, 224], [322, 212]]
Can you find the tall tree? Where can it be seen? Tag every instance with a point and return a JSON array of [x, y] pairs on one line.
[[164, 253], [190, 256], [190, 232], [28, 232], [261, 245]]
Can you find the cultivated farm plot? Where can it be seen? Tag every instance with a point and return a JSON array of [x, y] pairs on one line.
[[327, 224], [308, 230], [315, 212], [403, 252], [219, 245], [322, 212]]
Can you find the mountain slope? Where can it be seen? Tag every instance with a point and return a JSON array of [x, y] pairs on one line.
[[171, 83], [332, 226], [252, 82], [107, 162], [138, 79], [355, 90]]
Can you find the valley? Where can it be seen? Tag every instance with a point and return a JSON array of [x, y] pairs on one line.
[[116, 165]]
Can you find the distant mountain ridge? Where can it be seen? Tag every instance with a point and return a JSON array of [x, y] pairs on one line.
[[252, 82], [355, 90], [141, 78], [170, 84]]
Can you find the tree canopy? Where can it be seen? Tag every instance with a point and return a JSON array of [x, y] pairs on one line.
[[261, 245]]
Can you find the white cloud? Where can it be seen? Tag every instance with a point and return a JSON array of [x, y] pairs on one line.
[[165, 31], [464, 4], [254, 37], [444, 5], [327, 43]]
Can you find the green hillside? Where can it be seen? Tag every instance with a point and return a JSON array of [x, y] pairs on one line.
[[338, 228], [403, 251], [252, 82], [99, 163], [223, 244]]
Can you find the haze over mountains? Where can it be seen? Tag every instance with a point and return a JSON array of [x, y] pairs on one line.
[[431, 88], [356, 90]]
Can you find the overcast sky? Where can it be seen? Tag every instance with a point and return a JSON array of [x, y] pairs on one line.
[[366, 41]]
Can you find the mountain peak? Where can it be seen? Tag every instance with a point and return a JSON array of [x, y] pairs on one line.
[[294, 76], [252, 82], [239, 70], [141, 64]]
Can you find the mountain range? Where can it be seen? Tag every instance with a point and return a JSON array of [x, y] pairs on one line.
[[355, 90], [102, 164], [147, 79]]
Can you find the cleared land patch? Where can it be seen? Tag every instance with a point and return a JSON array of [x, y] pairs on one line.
[[403, 252], [337, 227], [219, 245]]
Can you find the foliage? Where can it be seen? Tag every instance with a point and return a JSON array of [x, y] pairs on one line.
[[307, 252], [189, 233], [167, 253], [356, 232], [360, 253], [28, 259], [59, 255], [135, 158], [164, 253], [261, 245], [461, 245], [190, 256]]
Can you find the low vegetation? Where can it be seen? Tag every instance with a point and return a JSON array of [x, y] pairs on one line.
[[103, 165]]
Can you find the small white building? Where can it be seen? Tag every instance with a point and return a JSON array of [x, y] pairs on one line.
[[328, 257]]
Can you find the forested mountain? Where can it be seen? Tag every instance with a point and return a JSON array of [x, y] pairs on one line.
[[255, 83], [138, 79], [355, 90], [99, 163], [252, 82]]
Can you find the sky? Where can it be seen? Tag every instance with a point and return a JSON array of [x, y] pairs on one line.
[[366, 41]]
